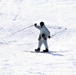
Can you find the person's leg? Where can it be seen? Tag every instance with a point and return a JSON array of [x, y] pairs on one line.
[[45, 43], [39, 46], [40, 43], [46, 46]]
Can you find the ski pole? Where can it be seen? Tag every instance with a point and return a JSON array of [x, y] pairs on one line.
[[59, 32], [24, 28]]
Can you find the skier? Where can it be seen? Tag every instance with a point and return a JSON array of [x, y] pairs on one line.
[[44, 34]]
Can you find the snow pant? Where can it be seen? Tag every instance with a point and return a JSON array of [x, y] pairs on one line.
[[42, 41]]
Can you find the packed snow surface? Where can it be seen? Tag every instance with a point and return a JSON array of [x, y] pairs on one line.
[[18, 37]]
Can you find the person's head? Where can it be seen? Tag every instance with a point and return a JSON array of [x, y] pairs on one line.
[[41, 24]]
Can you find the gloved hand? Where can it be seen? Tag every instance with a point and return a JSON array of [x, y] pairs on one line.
[[35, 24], [49, 37]]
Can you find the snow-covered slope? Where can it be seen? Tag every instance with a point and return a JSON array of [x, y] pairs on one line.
[[18, 35]]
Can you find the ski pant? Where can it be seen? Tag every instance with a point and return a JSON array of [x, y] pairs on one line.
[[42, 41]]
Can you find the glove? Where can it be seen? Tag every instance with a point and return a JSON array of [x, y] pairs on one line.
[[49, 37], [35, 24]]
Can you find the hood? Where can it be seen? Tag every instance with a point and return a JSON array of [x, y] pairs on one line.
[[42, 24]]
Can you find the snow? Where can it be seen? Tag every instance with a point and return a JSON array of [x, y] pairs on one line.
[[18, 35]]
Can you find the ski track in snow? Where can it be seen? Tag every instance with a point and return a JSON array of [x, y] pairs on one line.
[[16, 37], [15, 61]]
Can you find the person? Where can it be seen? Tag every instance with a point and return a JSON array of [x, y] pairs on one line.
[[44, 34]]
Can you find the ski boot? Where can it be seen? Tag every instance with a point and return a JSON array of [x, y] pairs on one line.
[[46, 50], [37, 50]]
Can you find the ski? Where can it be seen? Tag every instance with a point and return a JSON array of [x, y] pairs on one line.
[[41, 52], [54, 53]]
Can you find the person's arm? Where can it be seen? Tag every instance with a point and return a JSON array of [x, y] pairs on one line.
[[48, 33], [38, 27]]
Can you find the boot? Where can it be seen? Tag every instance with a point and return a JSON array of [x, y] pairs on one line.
[[37, 50], [46, 50]]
